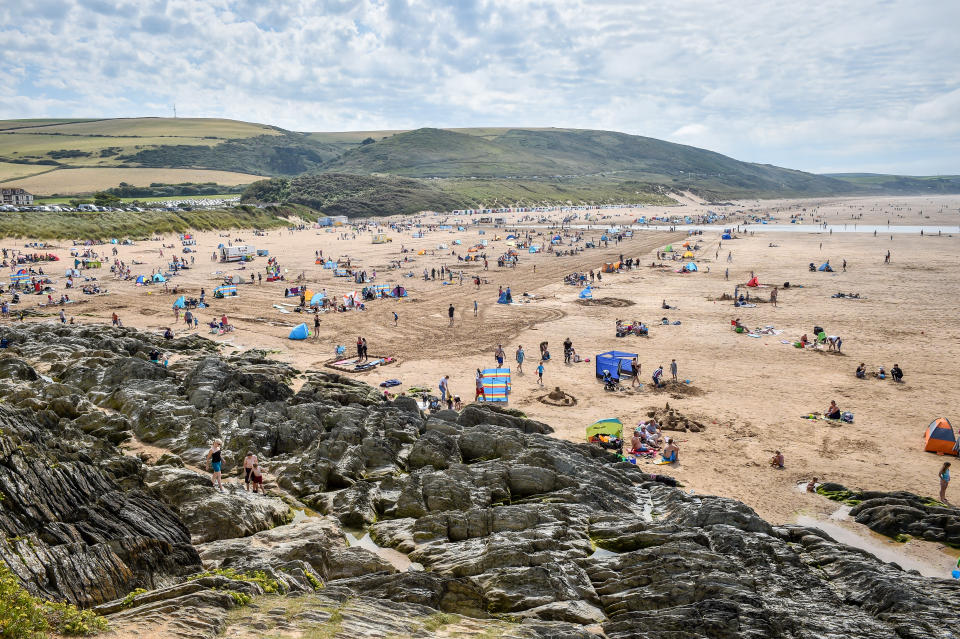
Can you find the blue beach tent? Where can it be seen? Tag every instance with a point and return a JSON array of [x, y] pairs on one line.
[[617, 362], [300, 332]]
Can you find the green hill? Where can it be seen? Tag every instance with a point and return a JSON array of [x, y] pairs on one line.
[[559, 154], [526, 166], [355, 195]]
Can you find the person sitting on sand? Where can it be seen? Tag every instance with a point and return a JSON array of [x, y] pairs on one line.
[[671, 451], [861, 371], [777, 460], [896, 373], [834, 411], [881, 373], [812, 486]]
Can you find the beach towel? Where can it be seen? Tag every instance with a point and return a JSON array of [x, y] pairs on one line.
[[390, 383]]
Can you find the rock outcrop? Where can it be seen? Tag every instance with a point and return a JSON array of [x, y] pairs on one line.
[[899, 514], [480, 523]]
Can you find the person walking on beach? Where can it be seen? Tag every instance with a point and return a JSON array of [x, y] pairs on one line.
[[450, 314], [773, 296], [359, 349], [214, 462], [396, 318], [944, 482], [635, 367], [316, 326], [730, 256], [673, 369], [364, 349], [475, 308], [844, 266], [540, 373], [520, 356], [886, 260], [498, 355]]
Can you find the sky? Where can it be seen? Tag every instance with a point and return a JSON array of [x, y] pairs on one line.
[[822, 86]]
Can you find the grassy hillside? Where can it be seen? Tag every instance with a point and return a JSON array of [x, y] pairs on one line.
[[101, 226], [900, 184], [355, 195], [566, 153], [493, 164]]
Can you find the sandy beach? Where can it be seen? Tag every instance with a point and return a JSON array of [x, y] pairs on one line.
[[749, 392]]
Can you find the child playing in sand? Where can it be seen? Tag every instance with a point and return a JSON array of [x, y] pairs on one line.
[[540, 373], [777, 460]]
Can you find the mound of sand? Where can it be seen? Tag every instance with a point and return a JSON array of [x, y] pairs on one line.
[[615, 302], [557, 397], [672, 419]]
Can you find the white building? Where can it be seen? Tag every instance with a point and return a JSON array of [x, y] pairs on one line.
[[15, 197]]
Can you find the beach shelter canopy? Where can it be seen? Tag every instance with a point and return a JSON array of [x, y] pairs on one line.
[[753, 282], [496, 384], [505, 297], [381, 290], [669, 248], [617, 362], [688, 254], [611, 426], [825, 267], [181, 302], [586, 294], [686, 244], [329, 264], [690, 267], [317, 299], [398, 291], [159, 278], [940, 438], [224, 291], [300, 332], [139, 280], [726, 236]]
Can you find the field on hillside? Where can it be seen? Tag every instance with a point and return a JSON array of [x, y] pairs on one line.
[[89, 180], [151, 127], [10, 171], [506, 192], [43, 146]]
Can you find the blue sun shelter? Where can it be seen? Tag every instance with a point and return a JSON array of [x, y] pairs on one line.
[[317, 299], [181, 302], [690, 267], [586, 294], [300, 331], [617, 362], [505, 297], [496, 384]]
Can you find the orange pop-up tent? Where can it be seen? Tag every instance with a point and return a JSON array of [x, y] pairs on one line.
[[940, 438]]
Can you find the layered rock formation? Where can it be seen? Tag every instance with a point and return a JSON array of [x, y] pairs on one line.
[[479, 522]]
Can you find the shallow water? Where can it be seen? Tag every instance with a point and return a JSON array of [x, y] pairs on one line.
[[881, 547], [881, 229]]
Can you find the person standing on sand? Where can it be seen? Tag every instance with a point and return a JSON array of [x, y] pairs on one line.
[[444, 387], [364, 340], [944, 482], [635, 367], [316, 326], [520, 356], [673, 369], [540, 373], [844, 266], [396, 318], [773, 296], [450, 314], [214, 462], [480, 391], [498, 355]]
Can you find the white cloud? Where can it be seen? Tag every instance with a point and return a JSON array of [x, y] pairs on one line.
[[796, 84]]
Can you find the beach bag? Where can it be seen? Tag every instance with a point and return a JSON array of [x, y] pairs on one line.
[[847, 418]]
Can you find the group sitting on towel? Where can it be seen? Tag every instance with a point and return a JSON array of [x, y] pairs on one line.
[[646, 441]]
